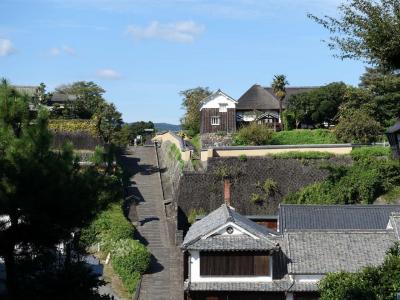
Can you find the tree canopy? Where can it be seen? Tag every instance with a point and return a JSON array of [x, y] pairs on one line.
[[191, 103], [367, 30]]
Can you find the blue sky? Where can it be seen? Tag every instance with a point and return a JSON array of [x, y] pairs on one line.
[[143, 52]]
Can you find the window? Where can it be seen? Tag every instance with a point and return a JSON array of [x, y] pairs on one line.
[[234, 264], [215, 120], [223, 107]]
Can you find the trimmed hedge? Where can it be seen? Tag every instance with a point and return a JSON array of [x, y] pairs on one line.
[[304, 155], [73, 125], [130, 259], [303, 136], [365, 152]]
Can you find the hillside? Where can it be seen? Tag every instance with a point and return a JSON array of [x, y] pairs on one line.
[[167, 127]]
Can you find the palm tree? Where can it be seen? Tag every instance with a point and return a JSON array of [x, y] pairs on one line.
[[279, 88]]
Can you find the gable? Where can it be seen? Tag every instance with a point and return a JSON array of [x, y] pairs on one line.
[[234, 230], [216, 99]]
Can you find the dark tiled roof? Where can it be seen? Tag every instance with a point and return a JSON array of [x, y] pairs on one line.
[[25, 89], [293, 91], [336, 217], [273, 286], [223, 215], [395, 223], [320, 252], [231, 243], [61, 98], [394, 128]]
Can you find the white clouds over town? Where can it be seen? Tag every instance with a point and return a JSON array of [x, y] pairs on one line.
[[109, 74], [6, 47]]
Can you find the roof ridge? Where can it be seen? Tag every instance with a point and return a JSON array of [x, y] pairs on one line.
[[341, 205]]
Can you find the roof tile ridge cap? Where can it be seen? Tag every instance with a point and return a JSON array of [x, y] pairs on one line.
[[229, 215]]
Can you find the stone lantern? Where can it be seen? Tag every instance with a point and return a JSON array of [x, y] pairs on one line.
[[393, 134]]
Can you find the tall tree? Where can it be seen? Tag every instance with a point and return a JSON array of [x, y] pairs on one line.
[[279, 84], [44, 196], [191, 103], [367, 30]]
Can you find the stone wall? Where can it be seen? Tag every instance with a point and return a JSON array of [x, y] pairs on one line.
[[205, 189], [210, 140]]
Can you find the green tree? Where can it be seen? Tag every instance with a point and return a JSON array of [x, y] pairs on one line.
[[44, 195], [367, 30], [357, 126], [88, 98], [318, 106], [108, 121], [279, 84], [191, 103]]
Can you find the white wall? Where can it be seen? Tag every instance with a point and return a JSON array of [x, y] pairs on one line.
[[219, 99], [194, 273]]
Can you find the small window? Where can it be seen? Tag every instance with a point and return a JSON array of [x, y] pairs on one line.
[[215, 120], [223, 107]]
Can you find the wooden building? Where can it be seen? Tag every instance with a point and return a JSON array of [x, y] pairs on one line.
[[393, 134], [218, 113]]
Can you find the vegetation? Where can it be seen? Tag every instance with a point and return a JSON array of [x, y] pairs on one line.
[[317, 107], [46, 197], [304, 155], [130, 259], [191, 104], [375, 283], [73, 125], [194, 213], [269, 187], [278, 85], [256, 198], [253, 134], [303, 136], [365, 152], [357, 126], [366, 30], [242, 157], [362, 182]]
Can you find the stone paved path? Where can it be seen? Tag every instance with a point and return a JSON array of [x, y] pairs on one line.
[[163, 279]]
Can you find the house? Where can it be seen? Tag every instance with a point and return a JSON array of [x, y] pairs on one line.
[[228, 256], [222, 113], [218, 113]]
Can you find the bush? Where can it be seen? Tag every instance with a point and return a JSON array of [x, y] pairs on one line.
[[366, 152], [361, 183], [253, 134], [73, 125], [130, 259], [193, 213], [269, 187], [242, 157], [304, 155], [108, 228], [256, 198], [357, 126], [303, 136]]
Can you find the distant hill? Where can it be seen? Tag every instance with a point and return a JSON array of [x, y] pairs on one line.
[[167, 127]]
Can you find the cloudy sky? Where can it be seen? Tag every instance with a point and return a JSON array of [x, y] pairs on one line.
[[143, 52]]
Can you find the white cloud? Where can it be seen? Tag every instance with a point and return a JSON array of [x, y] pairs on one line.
[[108, 74], [6, 47], [56, 51], [180, 32]]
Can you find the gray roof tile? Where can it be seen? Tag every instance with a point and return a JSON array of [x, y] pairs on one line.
[[327, 217], [231, 243], [320, 252]]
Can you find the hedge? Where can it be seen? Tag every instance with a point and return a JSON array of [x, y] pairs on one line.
[[304, 155], [130, 259], [365, 152], [73, 125]]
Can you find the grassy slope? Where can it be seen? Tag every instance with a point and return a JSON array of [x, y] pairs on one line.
[[303, 136]]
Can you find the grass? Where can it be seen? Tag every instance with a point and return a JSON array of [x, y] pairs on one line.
[[110, 276], [304, 155], [196, 142], [303, 136], [365, 152]]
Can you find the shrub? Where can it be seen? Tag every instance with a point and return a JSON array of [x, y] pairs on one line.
[[73, 125], [304, 155], [270, 187], [194, 213], [357, 126], [242, 157], [366, 152], [130, 259], [303, 136], [108, 228], [253, 134], [256, 198]]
